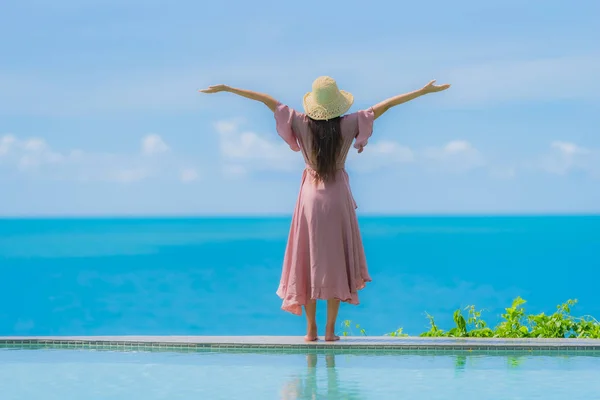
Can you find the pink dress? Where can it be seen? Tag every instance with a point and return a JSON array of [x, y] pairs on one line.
[[324, 257]]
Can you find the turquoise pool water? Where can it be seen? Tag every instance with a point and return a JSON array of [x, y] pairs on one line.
[[81, 374]]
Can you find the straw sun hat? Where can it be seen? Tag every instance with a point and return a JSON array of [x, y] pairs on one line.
[[326, 101]]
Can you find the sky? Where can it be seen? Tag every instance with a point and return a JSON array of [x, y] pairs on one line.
[[100, 114]]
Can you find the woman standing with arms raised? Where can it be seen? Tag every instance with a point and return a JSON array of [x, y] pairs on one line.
[[324, 257]]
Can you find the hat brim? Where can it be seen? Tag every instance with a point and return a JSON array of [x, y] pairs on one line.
[[320, 113]]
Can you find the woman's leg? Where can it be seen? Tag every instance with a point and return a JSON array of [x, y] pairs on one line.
[[333, 306], [310, 309]]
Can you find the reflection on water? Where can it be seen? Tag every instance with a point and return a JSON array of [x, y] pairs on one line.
[[314, 384], [460, 362], [513, 362], [99, 375]]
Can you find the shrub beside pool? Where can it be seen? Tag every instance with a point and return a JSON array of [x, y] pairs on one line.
[[515, 323]]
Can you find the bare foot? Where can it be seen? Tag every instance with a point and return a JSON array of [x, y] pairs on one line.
[[330, 335], [310, 338], [311, 334]]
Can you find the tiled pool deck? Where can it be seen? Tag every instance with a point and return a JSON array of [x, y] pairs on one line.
[[296, 344]]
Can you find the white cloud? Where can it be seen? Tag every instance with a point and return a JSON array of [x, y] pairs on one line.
[[34, 156], [6, 143], [455, 156], [504, 173], [228, 127], [566, 157], [153, 144], [569, 149], [243, 152], [396, 152], [247, 150], [234, 171], [29, 153], [380, 154], [457, 146], [188, 175]]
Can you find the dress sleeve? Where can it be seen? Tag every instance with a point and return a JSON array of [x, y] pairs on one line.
[[365, 127], [284, 120]]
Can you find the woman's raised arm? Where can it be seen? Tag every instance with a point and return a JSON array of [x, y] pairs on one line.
[[385, 105], [263, 98]]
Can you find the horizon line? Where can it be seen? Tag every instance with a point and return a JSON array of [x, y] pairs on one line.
[[289, 215]]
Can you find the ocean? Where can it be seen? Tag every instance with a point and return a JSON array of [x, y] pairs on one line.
[[218, 276]]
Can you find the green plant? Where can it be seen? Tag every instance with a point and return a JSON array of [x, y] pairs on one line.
[[347, 330], [514, 317], [558, 325], [472, 326], [514, 324], [479, 326], [587, 327], [460, 330], [397, 333], [433, 331]]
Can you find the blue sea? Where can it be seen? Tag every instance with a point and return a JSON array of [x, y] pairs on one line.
[[218, 276]]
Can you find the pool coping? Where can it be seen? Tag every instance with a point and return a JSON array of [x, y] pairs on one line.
[[297, 343]]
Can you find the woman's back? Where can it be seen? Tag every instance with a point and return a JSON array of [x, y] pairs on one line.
[[295, 128]]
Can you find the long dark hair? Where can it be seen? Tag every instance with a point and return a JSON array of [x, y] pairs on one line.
[[326, 143]]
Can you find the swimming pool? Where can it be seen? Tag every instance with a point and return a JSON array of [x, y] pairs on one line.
[[317, 374]]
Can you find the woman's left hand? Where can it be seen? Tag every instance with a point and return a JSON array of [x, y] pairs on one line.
[[215, 89], [431, 87]]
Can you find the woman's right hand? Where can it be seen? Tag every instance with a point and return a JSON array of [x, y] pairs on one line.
[[215, 89]]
